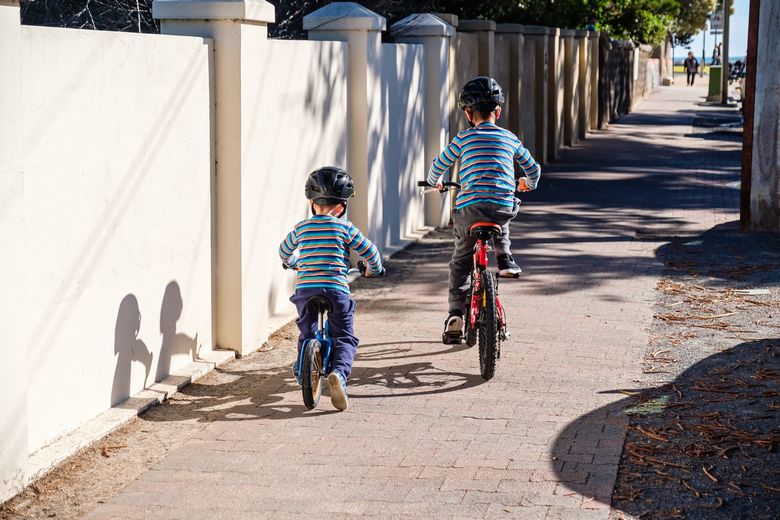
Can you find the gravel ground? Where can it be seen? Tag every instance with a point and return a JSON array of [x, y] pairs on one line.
[[97, 473], [704, 433]]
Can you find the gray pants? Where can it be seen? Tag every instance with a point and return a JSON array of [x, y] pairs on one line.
[[461, 263]]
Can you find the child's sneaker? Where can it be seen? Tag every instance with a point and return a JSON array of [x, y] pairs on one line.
[[507, 268], [453, 329], [338, 390]]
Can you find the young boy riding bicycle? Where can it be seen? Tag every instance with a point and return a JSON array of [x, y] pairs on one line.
[[318, 248], [487, 154]]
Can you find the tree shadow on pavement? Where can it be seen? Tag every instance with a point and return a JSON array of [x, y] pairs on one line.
[[704, 446]]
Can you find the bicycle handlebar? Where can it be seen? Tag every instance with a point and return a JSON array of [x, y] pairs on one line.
[[445, 185], [361, 267]]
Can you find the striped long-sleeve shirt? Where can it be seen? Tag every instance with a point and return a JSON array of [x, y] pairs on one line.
[[487, 154], [323, 243]]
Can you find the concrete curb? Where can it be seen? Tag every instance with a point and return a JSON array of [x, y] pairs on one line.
[[51, 455]]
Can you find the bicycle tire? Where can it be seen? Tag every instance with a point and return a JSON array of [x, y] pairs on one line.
[[488, 330], [311, 379]]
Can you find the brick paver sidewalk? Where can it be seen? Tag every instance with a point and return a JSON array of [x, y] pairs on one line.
[[425, 436]]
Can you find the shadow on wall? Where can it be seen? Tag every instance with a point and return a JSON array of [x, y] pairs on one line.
[[128, 348], [702, 446], [173, 343]]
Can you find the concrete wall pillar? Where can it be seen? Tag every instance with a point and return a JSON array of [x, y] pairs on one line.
[[485, 30], [555, 74], [362, 30], [452, 73], [509, 45], [235, 26], [583, 84], [535, 39], [13, 370], [765, 183], [593, 63], [571, 75], [435, 36]]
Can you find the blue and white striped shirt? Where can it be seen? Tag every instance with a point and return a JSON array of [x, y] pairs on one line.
[[323, 243], [487, 174]]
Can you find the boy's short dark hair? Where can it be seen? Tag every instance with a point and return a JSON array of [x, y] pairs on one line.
[[483, 110]]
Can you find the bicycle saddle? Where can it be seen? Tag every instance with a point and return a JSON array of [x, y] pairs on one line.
[[490, 228], [319, 304]]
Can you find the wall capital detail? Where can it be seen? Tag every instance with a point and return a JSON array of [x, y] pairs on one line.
[[258, 11], [344, 16], [422, 25]]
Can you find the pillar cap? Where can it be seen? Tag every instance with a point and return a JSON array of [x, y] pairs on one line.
[[581, 33], [344, 16], [249, 10], [476, 25], [567, 33], [449, 18], [421, 25], [593, 35], [535, 30], [509, 27]]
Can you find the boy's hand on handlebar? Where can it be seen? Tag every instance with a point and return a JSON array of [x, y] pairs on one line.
[[440, 184], [522, 185], [364, 271]]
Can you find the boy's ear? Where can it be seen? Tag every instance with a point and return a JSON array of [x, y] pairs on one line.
[[469, 117], [498, 113]]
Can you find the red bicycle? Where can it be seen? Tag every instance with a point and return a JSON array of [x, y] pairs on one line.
[[486, 320]]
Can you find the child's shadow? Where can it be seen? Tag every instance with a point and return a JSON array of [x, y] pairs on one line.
[[128, 348], [173, 343]]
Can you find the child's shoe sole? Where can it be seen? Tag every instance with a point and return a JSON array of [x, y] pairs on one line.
[[338, 397]]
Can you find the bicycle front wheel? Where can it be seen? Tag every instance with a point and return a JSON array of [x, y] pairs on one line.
[[488, 329], [311, 380]]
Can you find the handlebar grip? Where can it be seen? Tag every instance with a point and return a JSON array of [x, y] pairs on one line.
[[423, 184], [362, 268]]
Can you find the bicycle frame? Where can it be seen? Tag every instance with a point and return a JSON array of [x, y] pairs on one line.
[[325, 346], [481, 249]]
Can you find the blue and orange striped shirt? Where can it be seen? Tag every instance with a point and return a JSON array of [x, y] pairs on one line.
[[487, 174], [323, 243]]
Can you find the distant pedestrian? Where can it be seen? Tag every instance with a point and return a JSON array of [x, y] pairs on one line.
[[592, 21], [716, 55], [691, 65]]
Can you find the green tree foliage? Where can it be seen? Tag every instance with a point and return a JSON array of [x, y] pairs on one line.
[[691, 20]]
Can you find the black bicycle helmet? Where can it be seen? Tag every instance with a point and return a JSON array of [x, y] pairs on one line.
[[483, 91], [329, 185]]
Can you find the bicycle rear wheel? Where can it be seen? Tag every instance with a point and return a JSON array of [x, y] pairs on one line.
[[311, 382], [488, 329]]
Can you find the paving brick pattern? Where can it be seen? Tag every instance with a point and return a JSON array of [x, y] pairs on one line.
[[427, 438]]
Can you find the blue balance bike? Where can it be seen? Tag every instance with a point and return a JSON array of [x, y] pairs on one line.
[[316, 356]]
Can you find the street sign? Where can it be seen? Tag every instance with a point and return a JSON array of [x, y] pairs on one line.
[[716, 22]]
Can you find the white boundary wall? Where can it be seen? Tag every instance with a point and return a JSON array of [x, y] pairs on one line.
[[294, 111], [403, 151], [118, 168], [13, 369]]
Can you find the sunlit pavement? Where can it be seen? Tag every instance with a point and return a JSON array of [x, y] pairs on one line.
[[425, 436]]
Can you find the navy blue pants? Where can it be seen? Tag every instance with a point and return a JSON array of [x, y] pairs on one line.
[[340, 322]]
